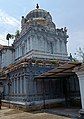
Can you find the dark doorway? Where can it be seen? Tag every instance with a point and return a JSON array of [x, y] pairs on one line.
[[65, 90], [71, 91]]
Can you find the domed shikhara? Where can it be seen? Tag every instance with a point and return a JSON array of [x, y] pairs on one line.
[[37, 17], [39, 37], [39, 13]]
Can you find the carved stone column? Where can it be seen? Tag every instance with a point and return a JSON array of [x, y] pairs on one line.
[[14, 86], [21, 84], [80, 74], [58, 46]]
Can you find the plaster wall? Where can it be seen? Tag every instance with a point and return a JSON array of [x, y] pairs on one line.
[[7, 58]]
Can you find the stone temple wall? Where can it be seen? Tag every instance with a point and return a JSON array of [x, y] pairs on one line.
[[23, 85]]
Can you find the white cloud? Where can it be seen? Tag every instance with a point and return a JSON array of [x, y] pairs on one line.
[[8, 24], [7, 19], [3, 40]]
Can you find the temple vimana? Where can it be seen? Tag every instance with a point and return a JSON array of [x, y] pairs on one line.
[[33, 70]]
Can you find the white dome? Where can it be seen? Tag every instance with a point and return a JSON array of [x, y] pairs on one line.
[[39, 13]]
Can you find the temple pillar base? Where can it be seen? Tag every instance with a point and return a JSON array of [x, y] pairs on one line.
[[81, 114]]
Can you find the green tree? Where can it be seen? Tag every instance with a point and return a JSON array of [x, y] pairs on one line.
[[17, 33], [9, 36]]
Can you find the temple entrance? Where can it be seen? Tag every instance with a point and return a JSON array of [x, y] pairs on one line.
[[64, 90], [71, 91], [61, 86]]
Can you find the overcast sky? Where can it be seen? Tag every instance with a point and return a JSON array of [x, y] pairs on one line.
[[69, 13]]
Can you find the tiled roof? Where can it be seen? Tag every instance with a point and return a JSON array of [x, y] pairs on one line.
[[6, 47]]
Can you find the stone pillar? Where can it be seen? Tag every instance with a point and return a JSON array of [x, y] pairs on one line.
[[80, 75], [63, 47], [55, 47], [27, 45], [65, 43], [19, 51], [58, 46], [24, 84], [14, 86], [45, 46], [17, 85], [21, 85]]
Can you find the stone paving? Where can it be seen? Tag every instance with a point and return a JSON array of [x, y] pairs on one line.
[[6, 113], [72, 113]]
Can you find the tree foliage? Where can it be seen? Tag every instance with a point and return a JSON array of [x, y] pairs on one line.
[[80, 53], [17, 33], [9, 36]]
